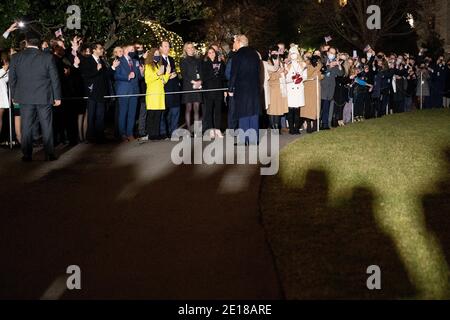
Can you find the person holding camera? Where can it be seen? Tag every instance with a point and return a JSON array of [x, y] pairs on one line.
[[275, 91], [411, 83], [311, 111], [331, 69]]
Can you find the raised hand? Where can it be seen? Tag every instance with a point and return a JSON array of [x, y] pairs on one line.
[[115, 63], [161, 70], [76, 61], [13, 27]]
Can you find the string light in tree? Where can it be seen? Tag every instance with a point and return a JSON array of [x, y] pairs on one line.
[[160, 33]]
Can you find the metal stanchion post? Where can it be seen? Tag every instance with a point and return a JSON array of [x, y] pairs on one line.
[[421, 90], [318, 103]]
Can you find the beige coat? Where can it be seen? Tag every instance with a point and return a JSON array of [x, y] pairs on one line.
[[309, 111], [278, 104]]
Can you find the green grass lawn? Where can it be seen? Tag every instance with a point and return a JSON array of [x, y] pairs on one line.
[[372, 193]]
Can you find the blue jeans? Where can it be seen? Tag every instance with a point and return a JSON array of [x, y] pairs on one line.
[[170, 118], [325, 111], [283, 122], [408, 104], [127, 116]]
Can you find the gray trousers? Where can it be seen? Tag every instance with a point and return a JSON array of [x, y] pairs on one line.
[[28, 115], [142, 119]]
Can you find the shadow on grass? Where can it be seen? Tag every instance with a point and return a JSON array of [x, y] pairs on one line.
[[436, 208], [323, 251]]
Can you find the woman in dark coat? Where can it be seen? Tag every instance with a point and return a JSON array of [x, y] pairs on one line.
[[191, 74], [213, 76]]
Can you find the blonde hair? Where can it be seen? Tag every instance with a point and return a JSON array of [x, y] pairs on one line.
[[114, 53], [185, 47]]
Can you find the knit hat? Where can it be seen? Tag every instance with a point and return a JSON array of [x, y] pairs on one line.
[[294, 49]]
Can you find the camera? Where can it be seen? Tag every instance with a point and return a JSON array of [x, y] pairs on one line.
[[275, 56]]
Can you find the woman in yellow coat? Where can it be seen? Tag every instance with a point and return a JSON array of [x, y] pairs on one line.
[[156, 76]]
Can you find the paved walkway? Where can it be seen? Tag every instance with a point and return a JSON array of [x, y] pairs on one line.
[[138, 226]]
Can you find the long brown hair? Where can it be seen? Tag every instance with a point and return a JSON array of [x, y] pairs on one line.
[[150, 58], [206, 58], [5, 57]]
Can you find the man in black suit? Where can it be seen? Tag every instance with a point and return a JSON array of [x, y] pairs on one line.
[[95, 73], [35, 85], [171, 116]]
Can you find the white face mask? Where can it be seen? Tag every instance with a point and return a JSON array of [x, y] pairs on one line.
[[294, 56]]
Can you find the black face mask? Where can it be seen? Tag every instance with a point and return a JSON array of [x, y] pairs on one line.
[[133, 55]]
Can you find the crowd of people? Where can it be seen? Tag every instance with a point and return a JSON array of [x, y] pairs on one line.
[[62, 91]]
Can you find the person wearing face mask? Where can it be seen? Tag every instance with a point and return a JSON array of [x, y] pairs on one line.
[[127, 76], [138, 51], [341, 93], [275, 89], [311, 111], [332, 70], [296, 73], [156, 76]]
